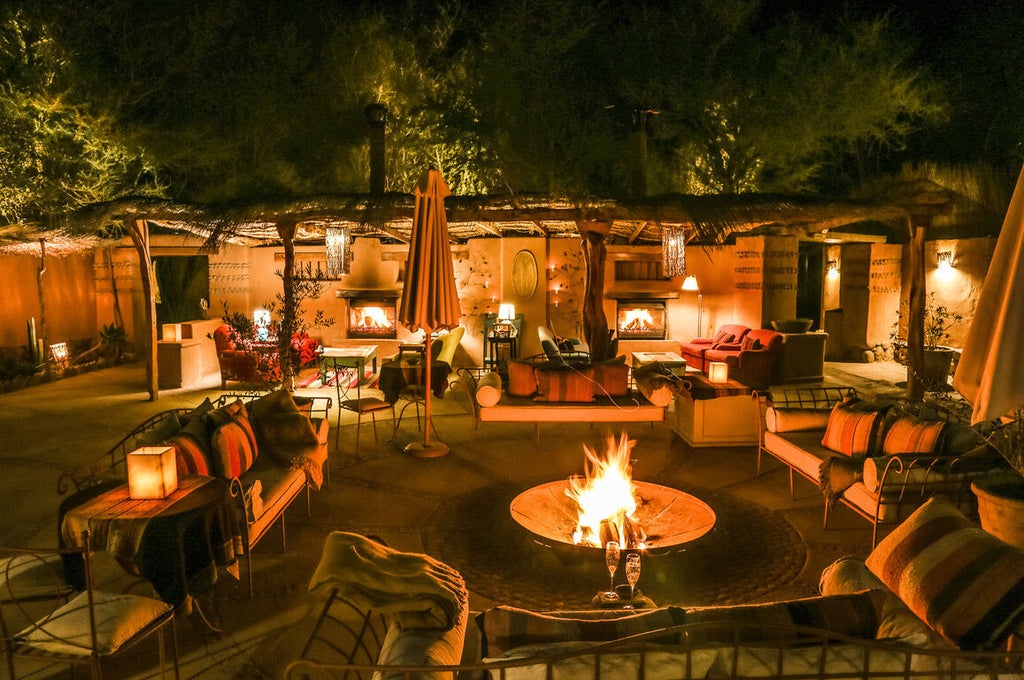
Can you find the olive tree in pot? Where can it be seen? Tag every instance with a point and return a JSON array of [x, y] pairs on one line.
[[1001, 498], [939, 321]]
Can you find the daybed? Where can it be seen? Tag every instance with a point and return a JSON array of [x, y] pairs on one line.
[[728, 338], [937, 598], [881, 460], [555, 393], [271, 449]]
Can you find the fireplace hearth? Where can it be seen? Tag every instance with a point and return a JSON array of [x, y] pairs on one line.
[[641, 320], [372, 315]]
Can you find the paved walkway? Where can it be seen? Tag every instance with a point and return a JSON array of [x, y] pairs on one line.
[[55, 427]]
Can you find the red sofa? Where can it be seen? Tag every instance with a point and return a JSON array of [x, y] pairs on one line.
[[752, 363], [728, 337]]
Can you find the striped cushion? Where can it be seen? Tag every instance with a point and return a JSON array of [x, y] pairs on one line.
[[232, 448], [965, 583], [190, 449], [852, 430], [855, 614], [521, 380], [567, 384], [912, 435], [611, 379], [506, 628]]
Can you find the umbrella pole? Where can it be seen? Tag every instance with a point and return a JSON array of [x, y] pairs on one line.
[[426, 449]]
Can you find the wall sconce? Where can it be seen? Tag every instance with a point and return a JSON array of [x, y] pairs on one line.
[[832, 269], [338, 251], [152, 472], [718, 372], [944, 259]]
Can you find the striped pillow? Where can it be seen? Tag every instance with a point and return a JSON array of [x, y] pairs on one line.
[[565, 385], [521, 380], [852, 429], [965, 583], [912, 435], [190, 454], [232, 448]]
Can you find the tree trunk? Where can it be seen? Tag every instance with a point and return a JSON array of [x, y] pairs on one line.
[[42, 306], [595, 324], [139, 231], [288, 312], [915, 317]]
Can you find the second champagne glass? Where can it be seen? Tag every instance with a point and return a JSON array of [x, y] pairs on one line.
[[632, 572], [611, 560]]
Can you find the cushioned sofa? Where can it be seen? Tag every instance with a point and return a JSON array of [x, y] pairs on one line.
[[555, 393], [728, 338], [938, 597], [881, 460], [753, 362], [271, 449]]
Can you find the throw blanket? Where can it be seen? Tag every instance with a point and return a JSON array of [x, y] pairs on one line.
[[836, 474], [415, 590]]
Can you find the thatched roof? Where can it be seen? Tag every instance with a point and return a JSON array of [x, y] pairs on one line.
[[711, 219]]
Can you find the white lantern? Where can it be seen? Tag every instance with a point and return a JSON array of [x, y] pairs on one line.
[[718, 372], [152, 472]]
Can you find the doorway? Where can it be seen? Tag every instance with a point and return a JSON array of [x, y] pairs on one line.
[[810, 280], [183, 288]]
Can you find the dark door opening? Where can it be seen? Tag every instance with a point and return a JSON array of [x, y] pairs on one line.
[[183, 288], [810, 281]]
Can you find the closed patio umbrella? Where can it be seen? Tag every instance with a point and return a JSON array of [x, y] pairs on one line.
[[988, 374], [429, 298]]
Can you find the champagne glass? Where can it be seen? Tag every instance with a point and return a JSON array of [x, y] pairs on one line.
[[611, 560], [632, 572]]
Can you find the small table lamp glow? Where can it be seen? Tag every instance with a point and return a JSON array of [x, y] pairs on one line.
[[152, 472], [718, 372]]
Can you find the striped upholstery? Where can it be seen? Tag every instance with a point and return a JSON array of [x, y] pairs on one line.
[[852, 429], [965, 583], [190, 452], [565, 385], [506, 628], [232, 447], [521, 380], [912, 435]]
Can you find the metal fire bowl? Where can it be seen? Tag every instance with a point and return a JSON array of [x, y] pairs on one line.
[[670, 517]]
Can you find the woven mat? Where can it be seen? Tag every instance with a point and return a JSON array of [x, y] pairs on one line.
[[751, 552]]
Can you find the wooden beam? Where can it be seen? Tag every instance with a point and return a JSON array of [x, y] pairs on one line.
[[139, 231], [637, 230]]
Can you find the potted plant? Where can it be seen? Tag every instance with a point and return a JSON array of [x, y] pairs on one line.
[[939, 321], [1001, 498]]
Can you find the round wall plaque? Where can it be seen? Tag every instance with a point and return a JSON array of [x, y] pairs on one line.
[[524, 274]]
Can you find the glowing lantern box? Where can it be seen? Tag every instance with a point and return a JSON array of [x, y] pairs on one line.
[[152, 472], [718, 372]]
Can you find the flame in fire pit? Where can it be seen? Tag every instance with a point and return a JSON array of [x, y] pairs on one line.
[[607, 498]]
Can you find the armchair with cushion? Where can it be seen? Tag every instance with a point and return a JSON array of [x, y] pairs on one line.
[[728, 337], [243, 364], [562, 350], [752, 363]]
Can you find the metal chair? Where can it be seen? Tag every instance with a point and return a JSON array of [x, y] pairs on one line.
[[360, 406], [85, 630]]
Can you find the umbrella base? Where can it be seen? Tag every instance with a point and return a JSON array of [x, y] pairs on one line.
[[427, 449]]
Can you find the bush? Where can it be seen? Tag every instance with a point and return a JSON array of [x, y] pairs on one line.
[[15, 366]]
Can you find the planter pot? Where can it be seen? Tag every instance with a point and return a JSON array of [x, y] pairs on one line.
[[1001, 508], [935, 371]]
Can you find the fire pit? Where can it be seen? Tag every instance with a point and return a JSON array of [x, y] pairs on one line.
[[607, 504]]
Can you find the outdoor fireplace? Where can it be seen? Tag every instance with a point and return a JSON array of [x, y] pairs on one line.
[[640, 320], [607, 504], [372, 315]]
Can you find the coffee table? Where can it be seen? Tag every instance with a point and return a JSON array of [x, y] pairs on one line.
[[670, 360], [355, 357]]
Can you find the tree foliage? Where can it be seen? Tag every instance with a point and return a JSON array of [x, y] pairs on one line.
[[233, 99]]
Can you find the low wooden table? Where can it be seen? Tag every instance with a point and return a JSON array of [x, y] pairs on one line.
[[716, 414], [347, 357], [670, 360]]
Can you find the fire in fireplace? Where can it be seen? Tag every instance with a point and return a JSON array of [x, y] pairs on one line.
[[372, 316], [640, 320], [607, 504]]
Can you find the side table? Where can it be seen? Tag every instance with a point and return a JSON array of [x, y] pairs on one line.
[[500, 350]]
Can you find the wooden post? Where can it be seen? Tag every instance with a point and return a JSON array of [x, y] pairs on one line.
[[42, 307], [139, 232], [915, 316], [595, 324]]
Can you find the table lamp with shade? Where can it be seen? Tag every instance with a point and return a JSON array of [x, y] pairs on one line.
[[690, 283], [504, 326], [152, 472]]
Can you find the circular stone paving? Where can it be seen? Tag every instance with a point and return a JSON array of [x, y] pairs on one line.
[[750, 552]]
